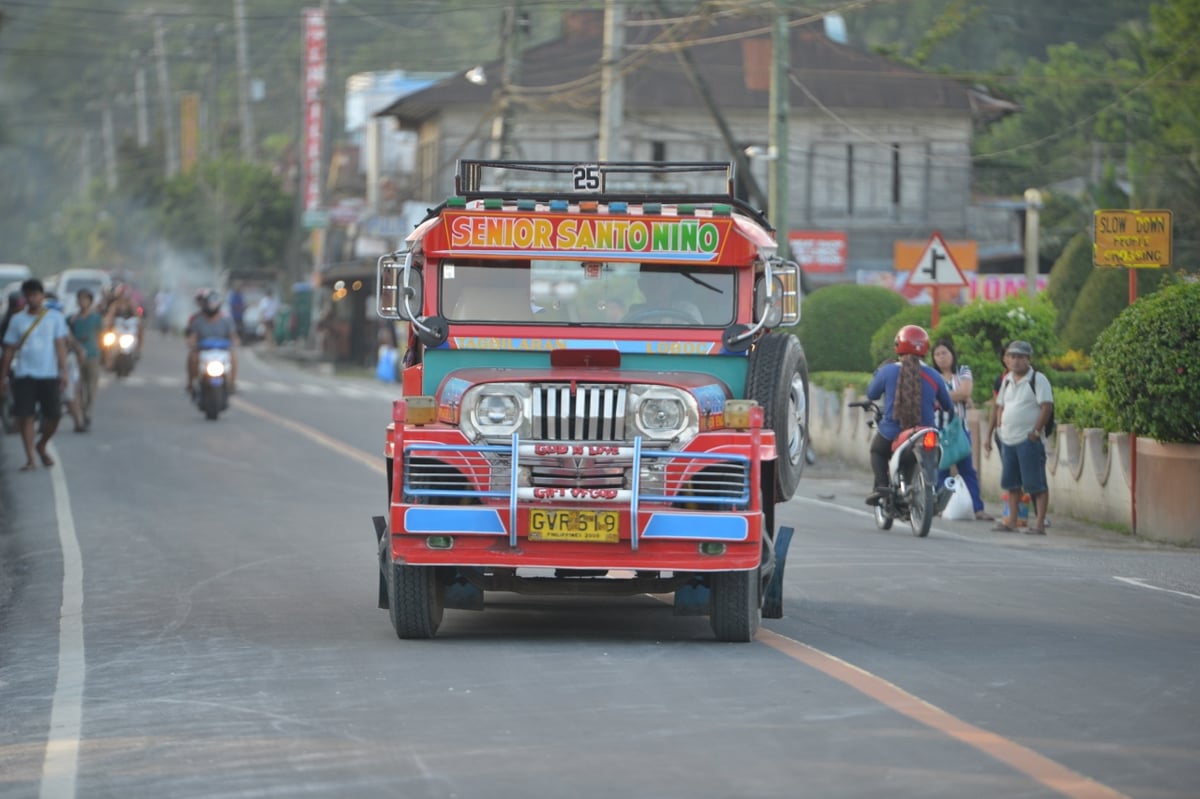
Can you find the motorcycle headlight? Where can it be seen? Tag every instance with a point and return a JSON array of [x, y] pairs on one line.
[[125, 340], [662, 414], [494, 410], [109, 339], [214, 368]]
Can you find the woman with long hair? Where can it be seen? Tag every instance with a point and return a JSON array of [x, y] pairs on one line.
[[912, 392], [960, 382]]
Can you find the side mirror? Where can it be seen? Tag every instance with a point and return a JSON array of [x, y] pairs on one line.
[[399, 288]]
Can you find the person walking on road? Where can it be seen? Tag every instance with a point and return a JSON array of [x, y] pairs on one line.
[[86, 326], [268, 306], [1024, 406], [959, 381], [35, 351]]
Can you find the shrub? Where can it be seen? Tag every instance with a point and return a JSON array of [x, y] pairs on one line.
[[1103, 296], [883, 342], [982, 329], [1067, 276], [1083, 408], [838, 382], [836, 324], [1148, 365], [1071, 361], [1085, 381]]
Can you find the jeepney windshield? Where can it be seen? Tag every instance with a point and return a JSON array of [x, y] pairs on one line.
[[587, 292]]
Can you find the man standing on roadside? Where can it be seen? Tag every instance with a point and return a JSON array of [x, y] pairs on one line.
[[1024, 405], [35, 350]]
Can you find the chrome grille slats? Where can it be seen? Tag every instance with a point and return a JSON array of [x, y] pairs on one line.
[[587, 412]]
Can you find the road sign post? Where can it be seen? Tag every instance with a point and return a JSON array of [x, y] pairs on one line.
[[1134, 239], [936, 268]]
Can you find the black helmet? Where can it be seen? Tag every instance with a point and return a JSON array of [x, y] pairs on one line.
[[212, 302]]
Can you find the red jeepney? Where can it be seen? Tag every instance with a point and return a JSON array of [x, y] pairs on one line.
[[594, 398]]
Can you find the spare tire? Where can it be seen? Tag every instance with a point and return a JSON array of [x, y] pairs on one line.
[[778, 380]]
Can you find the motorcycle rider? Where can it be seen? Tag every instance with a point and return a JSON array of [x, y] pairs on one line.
[[122, 306], [210, 323], [912, 392]]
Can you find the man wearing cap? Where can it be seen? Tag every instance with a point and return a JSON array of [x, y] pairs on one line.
[[1024, 405]]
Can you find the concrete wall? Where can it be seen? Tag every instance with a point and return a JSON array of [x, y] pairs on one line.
[[1089, 472]]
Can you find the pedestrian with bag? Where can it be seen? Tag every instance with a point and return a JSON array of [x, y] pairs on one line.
[[960, 382], [1024, 409], [35, 352]]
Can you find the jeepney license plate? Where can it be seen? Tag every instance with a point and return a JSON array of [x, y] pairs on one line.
[[601, 526]]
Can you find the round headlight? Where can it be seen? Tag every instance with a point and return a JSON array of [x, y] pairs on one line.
[[214, 368], [126, 340], [109, 338], [661, 414], [494, 410]]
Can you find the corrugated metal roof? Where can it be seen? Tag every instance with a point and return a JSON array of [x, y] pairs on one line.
[[564, 74]]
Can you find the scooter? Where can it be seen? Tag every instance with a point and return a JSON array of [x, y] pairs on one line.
[[122, 342], [913, 494], [212, 394]]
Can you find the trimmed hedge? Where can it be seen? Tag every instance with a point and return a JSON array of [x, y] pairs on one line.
[[1083, 408], [1147, 365], [838, 382], [837, 322]]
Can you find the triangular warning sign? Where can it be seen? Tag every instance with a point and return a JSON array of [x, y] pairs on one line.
[[936, 266]]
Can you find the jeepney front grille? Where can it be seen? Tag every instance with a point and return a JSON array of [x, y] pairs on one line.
[[581, 412]]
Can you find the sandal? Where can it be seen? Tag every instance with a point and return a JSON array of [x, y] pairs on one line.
[[983, 516], [1003, 528], [1035, 531]]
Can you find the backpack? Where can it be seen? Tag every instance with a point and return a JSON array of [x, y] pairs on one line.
[[1050, 425]]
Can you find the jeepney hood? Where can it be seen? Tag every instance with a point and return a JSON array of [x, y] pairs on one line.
[[707, 389]]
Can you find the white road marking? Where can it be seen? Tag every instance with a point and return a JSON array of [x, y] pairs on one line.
[[1144, 584], [61, 762]]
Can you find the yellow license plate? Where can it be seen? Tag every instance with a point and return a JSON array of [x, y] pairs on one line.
[[601, 526]]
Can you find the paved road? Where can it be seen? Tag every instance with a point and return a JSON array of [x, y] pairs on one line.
[[188, 611]]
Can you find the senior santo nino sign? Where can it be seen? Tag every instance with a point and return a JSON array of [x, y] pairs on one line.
[[1128, 238]]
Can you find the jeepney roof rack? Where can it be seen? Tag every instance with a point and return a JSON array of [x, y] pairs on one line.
[[469, 182]]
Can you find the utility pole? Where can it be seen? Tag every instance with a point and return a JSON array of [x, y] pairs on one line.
[[164, 92], [110, 148], [143, 122], [777, 142], [85, 157], [502, 124], [612, 85], [243, 68]]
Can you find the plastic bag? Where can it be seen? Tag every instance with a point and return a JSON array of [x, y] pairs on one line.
[[960, 506]]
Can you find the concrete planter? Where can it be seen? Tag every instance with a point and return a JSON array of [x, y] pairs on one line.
[[1168, 491]]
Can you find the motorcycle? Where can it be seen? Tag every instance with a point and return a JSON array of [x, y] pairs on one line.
[[913, 494], [212, 394], [121, 343]]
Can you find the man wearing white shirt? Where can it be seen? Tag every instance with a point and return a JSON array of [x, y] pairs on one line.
[[35, 353]]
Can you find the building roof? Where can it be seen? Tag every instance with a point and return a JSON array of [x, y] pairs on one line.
[[732, 56]]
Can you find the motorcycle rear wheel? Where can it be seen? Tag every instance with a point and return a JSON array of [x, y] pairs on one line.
[[922, 504]]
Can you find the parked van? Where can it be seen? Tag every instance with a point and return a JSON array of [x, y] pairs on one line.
[[70, 281], [14, 272]]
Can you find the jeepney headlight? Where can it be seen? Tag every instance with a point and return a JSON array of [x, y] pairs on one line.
[[662, 414], [494, 410]]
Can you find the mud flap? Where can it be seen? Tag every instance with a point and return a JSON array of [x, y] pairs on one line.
[[692, 599], [380, 541], [773, 595], [942, 500]]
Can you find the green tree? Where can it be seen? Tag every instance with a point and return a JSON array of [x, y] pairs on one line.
[[837, 322], [1102, 297]]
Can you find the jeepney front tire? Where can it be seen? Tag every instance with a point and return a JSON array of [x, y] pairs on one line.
[[416, 601], [736, 610], [778, 380]]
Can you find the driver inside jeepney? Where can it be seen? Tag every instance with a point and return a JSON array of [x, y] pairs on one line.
[[586, 292]]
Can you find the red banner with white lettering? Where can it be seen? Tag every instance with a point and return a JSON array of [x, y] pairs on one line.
[[314, 83], [819, 251]]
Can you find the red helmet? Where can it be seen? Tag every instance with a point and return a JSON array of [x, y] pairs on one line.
[[912, 340]]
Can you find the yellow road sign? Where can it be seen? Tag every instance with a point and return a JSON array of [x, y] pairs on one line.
[[1129, 238]]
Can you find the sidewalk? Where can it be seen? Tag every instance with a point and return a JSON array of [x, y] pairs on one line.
[[845, 484]]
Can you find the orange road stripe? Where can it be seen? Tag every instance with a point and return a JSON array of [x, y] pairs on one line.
[[353, 453], [1054, 776]]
